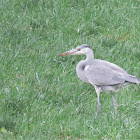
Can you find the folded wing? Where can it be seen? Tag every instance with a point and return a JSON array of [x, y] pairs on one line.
[[102, 75]]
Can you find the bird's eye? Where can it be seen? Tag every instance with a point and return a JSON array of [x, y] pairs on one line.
[[79, 49]]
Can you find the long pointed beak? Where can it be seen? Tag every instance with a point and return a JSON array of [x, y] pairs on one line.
[[71, 52]]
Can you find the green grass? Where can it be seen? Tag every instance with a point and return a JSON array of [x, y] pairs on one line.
[[40, 96]]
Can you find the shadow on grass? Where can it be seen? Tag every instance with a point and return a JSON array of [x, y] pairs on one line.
[[8, 125]]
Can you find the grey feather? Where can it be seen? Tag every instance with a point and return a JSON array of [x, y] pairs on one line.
[[132, 79], [138, 80], [105, 73]]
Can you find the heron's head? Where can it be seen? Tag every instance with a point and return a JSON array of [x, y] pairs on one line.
[[82, 49]]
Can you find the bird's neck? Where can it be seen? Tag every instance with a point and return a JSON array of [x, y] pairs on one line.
[[90, 55], [80, 69]]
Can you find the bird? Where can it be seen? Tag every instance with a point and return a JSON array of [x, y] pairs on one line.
[[103, 75]]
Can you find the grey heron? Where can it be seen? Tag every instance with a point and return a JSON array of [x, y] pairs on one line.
[[103, 75]]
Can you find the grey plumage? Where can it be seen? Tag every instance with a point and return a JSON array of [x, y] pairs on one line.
[[103, 75]]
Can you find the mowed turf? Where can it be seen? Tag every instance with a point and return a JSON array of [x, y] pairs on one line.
[[41, 96]]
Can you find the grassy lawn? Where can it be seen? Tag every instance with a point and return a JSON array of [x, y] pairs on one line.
[[41, 96]]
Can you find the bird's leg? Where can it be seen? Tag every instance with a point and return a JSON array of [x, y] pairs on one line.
[[98, 106], [114, 102], [98, 98]]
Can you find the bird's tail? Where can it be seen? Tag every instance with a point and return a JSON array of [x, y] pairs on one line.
[[138, 80], [133, 79]]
